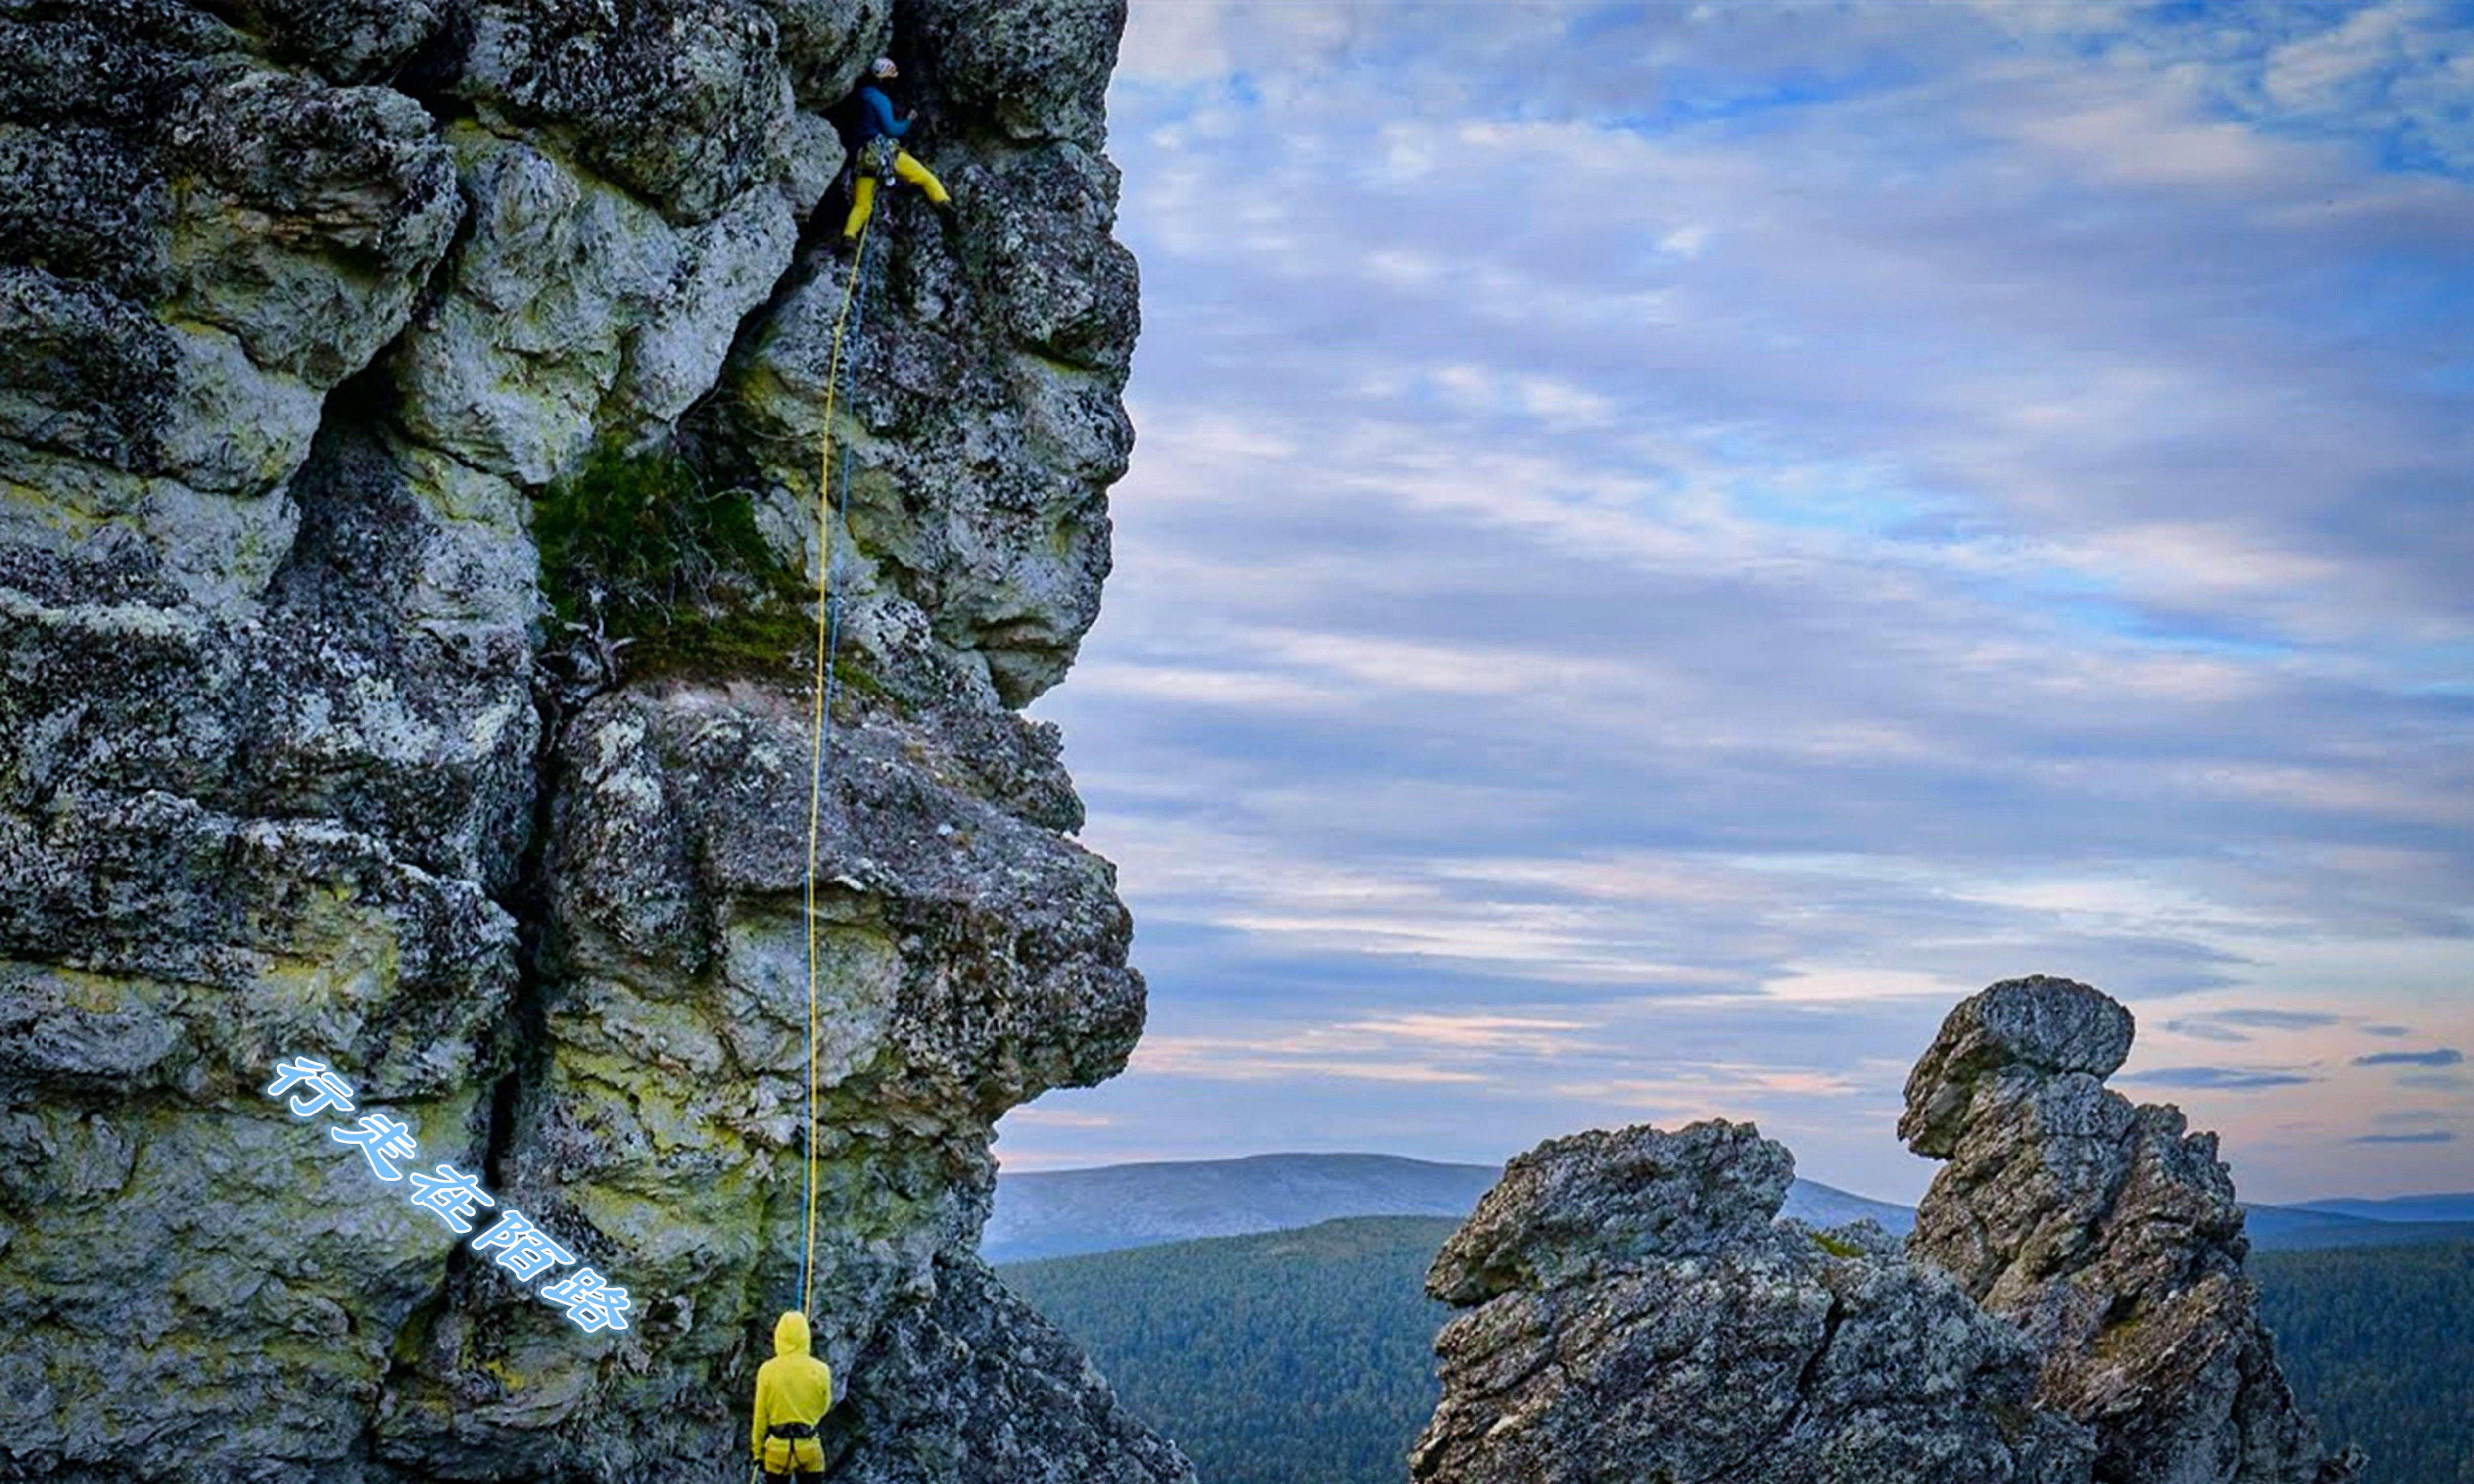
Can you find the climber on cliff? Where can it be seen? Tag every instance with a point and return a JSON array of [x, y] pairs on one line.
[[881, 155], [793, 1392]]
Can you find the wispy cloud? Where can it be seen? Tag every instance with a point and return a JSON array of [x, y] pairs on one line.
[[2220, 1079], [2238, 1025], [1034, 1115], [1549, 587], [1415, 1047], [2430, 1137], [2438, 1056]]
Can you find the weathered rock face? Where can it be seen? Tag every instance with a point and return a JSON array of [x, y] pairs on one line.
[[307, 309], [2109, 1234], [2069, 1309], [978, 1389], [1641, 1314]]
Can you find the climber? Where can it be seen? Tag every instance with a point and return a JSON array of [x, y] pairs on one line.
[[793, 1392], [881, 155]]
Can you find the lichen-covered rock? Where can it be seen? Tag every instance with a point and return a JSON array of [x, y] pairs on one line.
[[1640, 1313], [826, 43], [680, 101], [200, 248], [574, 308], [309, 312], [978, 455], [966, 960], [1038, 70], [2109, 1234], [182, 1258], [346, 41]]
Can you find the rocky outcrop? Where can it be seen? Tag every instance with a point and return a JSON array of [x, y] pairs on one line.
[[1637, 1312], [978, 1389], [2069, 1309], [315, 314], [2109, 1234]]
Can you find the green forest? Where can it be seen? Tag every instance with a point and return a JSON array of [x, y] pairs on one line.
[[2379, 1343], [1307, 1358]]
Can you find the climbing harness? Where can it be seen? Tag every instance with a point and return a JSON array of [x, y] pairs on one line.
[[876, 158], [828, 650]]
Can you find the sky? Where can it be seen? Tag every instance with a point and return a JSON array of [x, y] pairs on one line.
[[1666, 546]]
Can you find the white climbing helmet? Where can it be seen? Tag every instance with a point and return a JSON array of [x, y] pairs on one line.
[[883, 67]]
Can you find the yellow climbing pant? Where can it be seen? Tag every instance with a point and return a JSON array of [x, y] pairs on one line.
[[863, 194]]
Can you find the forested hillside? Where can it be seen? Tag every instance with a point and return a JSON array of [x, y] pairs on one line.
[[1306, 1358], [1283, 1357], [2380, 1343]]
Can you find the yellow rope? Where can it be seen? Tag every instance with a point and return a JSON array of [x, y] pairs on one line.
[[816, 751]]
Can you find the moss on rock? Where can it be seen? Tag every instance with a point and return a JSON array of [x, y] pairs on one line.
[[640, 546]]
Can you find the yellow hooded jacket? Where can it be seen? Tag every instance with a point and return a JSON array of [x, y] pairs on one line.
[[793, 1387]]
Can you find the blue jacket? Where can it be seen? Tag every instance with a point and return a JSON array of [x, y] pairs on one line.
[[877, 118]]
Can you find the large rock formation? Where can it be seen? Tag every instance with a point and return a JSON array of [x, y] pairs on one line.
[[1640, 1313], [2110, 1234], [314, 315], [2069, 1309]]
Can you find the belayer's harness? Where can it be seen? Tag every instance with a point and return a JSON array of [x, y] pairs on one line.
[[793, 1432]]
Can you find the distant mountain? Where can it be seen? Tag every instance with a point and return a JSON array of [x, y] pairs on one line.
[[2292, 1228], [1815, 1204], [1056, 1214], [2459, 1207]]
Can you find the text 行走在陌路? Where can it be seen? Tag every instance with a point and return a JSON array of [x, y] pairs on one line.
[[524, 1249]]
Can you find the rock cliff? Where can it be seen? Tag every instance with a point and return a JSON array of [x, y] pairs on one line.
[[409, 417], [2071, 1308]]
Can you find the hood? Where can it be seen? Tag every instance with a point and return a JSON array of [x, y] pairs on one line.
[[790, 1333]]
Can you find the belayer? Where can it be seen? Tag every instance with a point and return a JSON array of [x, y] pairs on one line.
[[881, 155], [794, 1390]]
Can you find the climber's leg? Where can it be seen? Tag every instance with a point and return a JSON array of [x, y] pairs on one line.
[[917, 175], [862, 201]]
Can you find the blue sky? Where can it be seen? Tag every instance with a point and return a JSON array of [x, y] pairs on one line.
[[1668, 545]]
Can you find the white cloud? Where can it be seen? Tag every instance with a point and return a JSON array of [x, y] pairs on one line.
[[1679, 567]]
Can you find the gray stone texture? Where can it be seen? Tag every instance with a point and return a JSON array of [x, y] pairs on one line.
[[2109, 1234], [304, 306], [2069, 1309], [1637, 1311], [981, 1390], [1596, 1201]]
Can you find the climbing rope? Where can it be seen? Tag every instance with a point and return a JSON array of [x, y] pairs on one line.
[[828, 650]]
